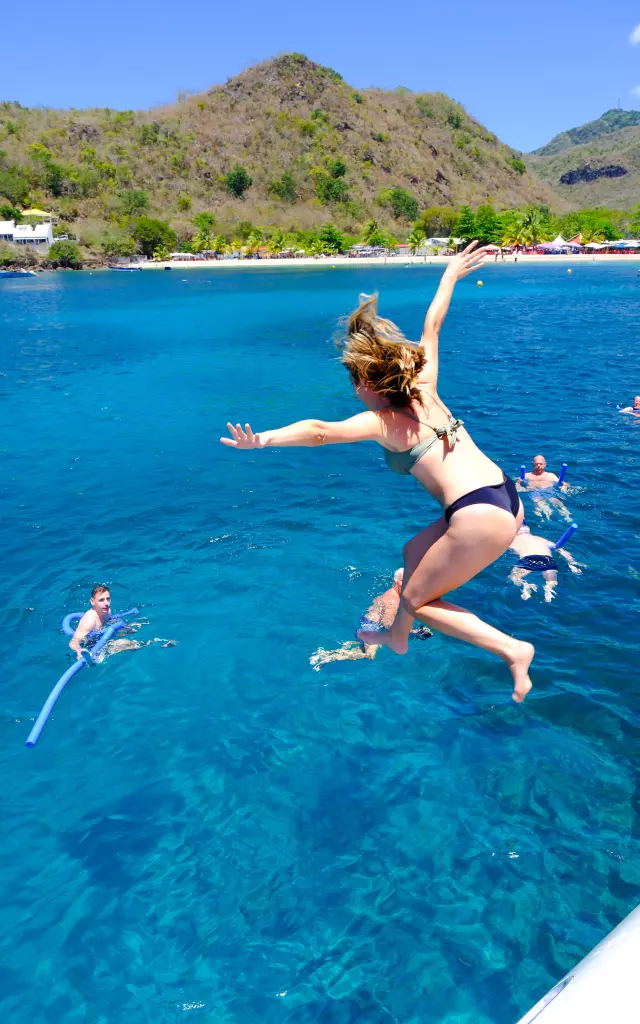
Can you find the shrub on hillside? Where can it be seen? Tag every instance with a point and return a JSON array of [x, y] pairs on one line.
[[337, 168], [148, 133], [14, 187], [151, 234], [133, 201], [8, 212], [118, 245], [65, 254], [204, 221], [238, 181], [331, 190], [402, 203], [284, 188], [517, 165]]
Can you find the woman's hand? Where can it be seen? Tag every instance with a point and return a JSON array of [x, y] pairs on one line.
[[242, 438], [465, 262]]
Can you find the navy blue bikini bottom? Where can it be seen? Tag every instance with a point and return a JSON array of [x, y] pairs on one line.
[[502, 495]]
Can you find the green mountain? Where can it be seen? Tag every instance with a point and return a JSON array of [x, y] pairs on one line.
[[612, 121], [597, 164], [313, 150]]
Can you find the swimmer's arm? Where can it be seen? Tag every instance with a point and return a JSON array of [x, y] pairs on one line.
[[365, 426], [84, 627], [629, 408], [573, 565], [458, 267]]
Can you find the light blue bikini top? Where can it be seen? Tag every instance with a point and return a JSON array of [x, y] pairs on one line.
[[403, 462]]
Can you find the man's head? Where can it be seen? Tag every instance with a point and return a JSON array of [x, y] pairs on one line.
[[101, 600], [523, 529], [539, 464], [398, 576]]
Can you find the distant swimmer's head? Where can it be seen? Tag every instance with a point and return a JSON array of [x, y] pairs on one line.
[[636, 402], [523, 529], [101, 600], [398, 577], [539, 464], [382, 363]]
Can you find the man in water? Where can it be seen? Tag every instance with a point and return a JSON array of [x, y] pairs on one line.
[[633, 409], [97, 618], [536, 556], [379, 615], [540, 478]]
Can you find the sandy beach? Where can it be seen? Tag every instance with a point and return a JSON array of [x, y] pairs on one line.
[[391, 261]]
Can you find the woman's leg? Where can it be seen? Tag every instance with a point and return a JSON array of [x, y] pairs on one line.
[[456, 621], [476, 536], [442, 558]]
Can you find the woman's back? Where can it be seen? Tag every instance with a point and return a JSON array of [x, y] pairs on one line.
[[430, 443]]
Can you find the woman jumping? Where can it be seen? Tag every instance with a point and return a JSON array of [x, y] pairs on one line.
[[396, 380]]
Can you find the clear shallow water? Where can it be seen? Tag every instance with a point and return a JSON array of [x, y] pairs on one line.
[[215, 832]]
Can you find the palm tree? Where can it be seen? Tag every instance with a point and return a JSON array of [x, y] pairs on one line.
[[514, 232], [534, 227], [254, 240], [275, 243], [371, 228], [416, 238], [592, 234]]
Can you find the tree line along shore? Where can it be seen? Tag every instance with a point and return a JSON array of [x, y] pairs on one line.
[[134, 232]]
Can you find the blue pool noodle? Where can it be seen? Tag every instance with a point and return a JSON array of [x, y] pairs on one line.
[[50, 702], [569, 532], [522, 471], [68, 619], [563, 473]]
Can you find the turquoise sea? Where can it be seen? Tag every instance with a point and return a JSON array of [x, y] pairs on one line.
[[217, 833]]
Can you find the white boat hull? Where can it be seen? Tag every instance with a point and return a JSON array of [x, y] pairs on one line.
[[604, 988]]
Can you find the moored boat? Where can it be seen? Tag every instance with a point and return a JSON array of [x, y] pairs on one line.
[[17, 273]]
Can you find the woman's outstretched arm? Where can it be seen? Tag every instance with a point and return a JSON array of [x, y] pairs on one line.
[[458, 267], [366, 426]]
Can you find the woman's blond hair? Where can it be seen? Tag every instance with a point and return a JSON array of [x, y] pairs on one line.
[[377, 355]]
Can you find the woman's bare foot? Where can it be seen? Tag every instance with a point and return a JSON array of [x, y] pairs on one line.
[[383, 638], [518, 657]]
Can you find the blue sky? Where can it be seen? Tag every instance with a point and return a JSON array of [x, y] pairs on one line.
[[527, 71]]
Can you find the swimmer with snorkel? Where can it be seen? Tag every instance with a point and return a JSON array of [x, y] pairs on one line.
[[396, 380], [633, 410], [380, 614]]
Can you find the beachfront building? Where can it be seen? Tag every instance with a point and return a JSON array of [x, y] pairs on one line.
[[34, 235]]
